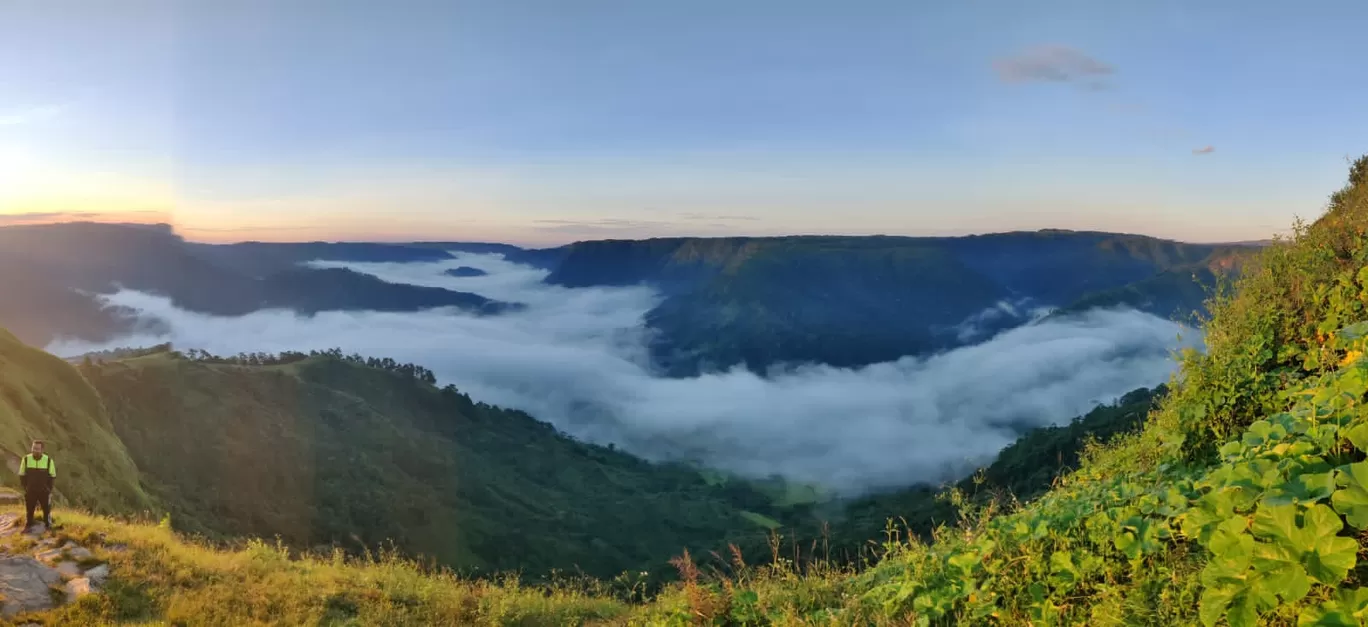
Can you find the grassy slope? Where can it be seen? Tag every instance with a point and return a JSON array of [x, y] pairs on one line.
[[42, 397], [324, 451], [158, 577]]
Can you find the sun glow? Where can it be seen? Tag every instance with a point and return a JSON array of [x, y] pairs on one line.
[[32, 184]]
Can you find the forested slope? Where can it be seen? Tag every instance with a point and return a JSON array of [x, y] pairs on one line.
[[850, 301], [328, 450], [42, 397]]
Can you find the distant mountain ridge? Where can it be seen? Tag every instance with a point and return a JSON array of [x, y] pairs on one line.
[[51, 276], [850, 301], [751, 301]]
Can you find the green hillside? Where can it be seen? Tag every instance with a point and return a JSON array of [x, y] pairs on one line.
[[327, 450], [1179, 293], [42, 397]]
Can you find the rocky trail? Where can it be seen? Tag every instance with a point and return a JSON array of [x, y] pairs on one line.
[[40, 570]]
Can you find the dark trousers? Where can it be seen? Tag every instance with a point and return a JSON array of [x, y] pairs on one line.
[[33, 498]]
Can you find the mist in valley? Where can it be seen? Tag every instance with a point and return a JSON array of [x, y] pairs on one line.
[[577, 358]]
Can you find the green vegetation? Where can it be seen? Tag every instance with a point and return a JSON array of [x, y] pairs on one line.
[[352, 452], [841, 302], [157, 577], [43, 397], [851, 301], [1178, 294], [1022, 471], [1242, 500]]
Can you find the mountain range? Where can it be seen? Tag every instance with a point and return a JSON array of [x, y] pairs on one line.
[[725, 302]]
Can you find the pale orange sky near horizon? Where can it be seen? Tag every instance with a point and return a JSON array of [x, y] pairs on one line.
[[397, 232]]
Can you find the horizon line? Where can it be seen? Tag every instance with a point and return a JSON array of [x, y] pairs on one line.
[[172, 228]]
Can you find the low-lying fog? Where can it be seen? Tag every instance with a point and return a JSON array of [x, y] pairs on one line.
[[577, 358]]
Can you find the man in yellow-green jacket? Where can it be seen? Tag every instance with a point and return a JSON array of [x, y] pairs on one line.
[[37, 472]]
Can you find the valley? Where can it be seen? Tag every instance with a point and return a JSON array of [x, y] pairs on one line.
[[333, 451]]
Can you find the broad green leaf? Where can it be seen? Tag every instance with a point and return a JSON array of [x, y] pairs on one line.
[[964, 562], [1353, 382], [1276, 523], [1332, 559], [1320, 522], [1257, 433], [1328, 556], [1062, 567], [1214, 603], [1246, 606], [1212, 509], [1359, 437], [1354, 331], [1351, 499], [1355, 600], [1318, 485], [1231, 545], [1280, 571], [1326, 615]]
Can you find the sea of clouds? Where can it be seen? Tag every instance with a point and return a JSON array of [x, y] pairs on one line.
[[577, 358]]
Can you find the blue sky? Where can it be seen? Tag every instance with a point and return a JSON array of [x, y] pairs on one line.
[[555, 120]]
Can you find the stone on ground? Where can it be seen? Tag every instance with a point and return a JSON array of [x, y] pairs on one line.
[[36, 530], [25, 585], [98, 575], [77, 588], [49, 556], [69, 570], [10, 497], [80, 554]]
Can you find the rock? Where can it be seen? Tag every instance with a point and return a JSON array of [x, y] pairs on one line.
[[69, 570], [77, 588], [10, 497], [69, 545], [24, 585], [36, 530], [80, 554], [117, 548], [9, 524], [98, 575], [49, 556]]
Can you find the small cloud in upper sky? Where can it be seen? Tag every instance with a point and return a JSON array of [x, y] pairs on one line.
[[1204, 150], [1054, 64], [15, 117]]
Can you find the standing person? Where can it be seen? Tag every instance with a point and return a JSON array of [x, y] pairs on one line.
[[37, 472]]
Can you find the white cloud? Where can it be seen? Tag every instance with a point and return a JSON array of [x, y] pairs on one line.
[[576, 358]]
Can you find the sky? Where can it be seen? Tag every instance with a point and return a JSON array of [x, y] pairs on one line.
[[539, 122]]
